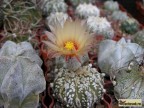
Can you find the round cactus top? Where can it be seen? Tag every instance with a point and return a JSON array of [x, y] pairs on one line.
[[100, 26], [86, 10], [55, 18], [78, 89]]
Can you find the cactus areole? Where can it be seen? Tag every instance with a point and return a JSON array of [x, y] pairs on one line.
[[80, 89]]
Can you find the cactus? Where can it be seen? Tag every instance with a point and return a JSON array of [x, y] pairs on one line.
[[19, 17], [100, 26], [129, 26], [52, 6], [129, 84], [76, 2], [78, 89], [111, 5], [87, 83], [119, 15], [113, 56], [85, 10], [72, 64], [139, 38], [56, 18], [21, 78]]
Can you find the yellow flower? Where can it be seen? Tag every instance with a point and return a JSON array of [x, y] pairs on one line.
[[70, 40]]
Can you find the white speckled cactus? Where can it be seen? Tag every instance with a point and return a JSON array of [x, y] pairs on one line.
[[129, 26], [139, 38], [80, 88], [111, 5], [100, 26], [56, 18], [77, 84], [85, 10], [130, 85], [21, 78], [119, 15], [52, 6], [113, 55], [76, 2]]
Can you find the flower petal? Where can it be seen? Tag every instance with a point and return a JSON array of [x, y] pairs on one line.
[[50, 36], [73, 31], [51, 46]]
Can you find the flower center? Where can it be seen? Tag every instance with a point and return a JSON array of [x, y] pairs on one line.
[[69, 45]]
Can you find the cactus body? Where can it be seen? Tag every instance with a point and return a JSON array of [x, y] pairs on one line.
[[76, 2], [100, 26], [139, 38], [79, 89], [119, 15], [21, 78], [56, 18], [85, 10], [129, 26], [53, 6], [113, 55], [111, 5], [130, 85]]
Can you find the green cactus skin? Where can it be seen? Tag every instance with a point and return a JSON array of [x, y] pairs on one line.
[[129, 26], [21, 78], [80, 89], [119, 15], [139, 38], [130, 84], [111, 5], [53, 6]]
